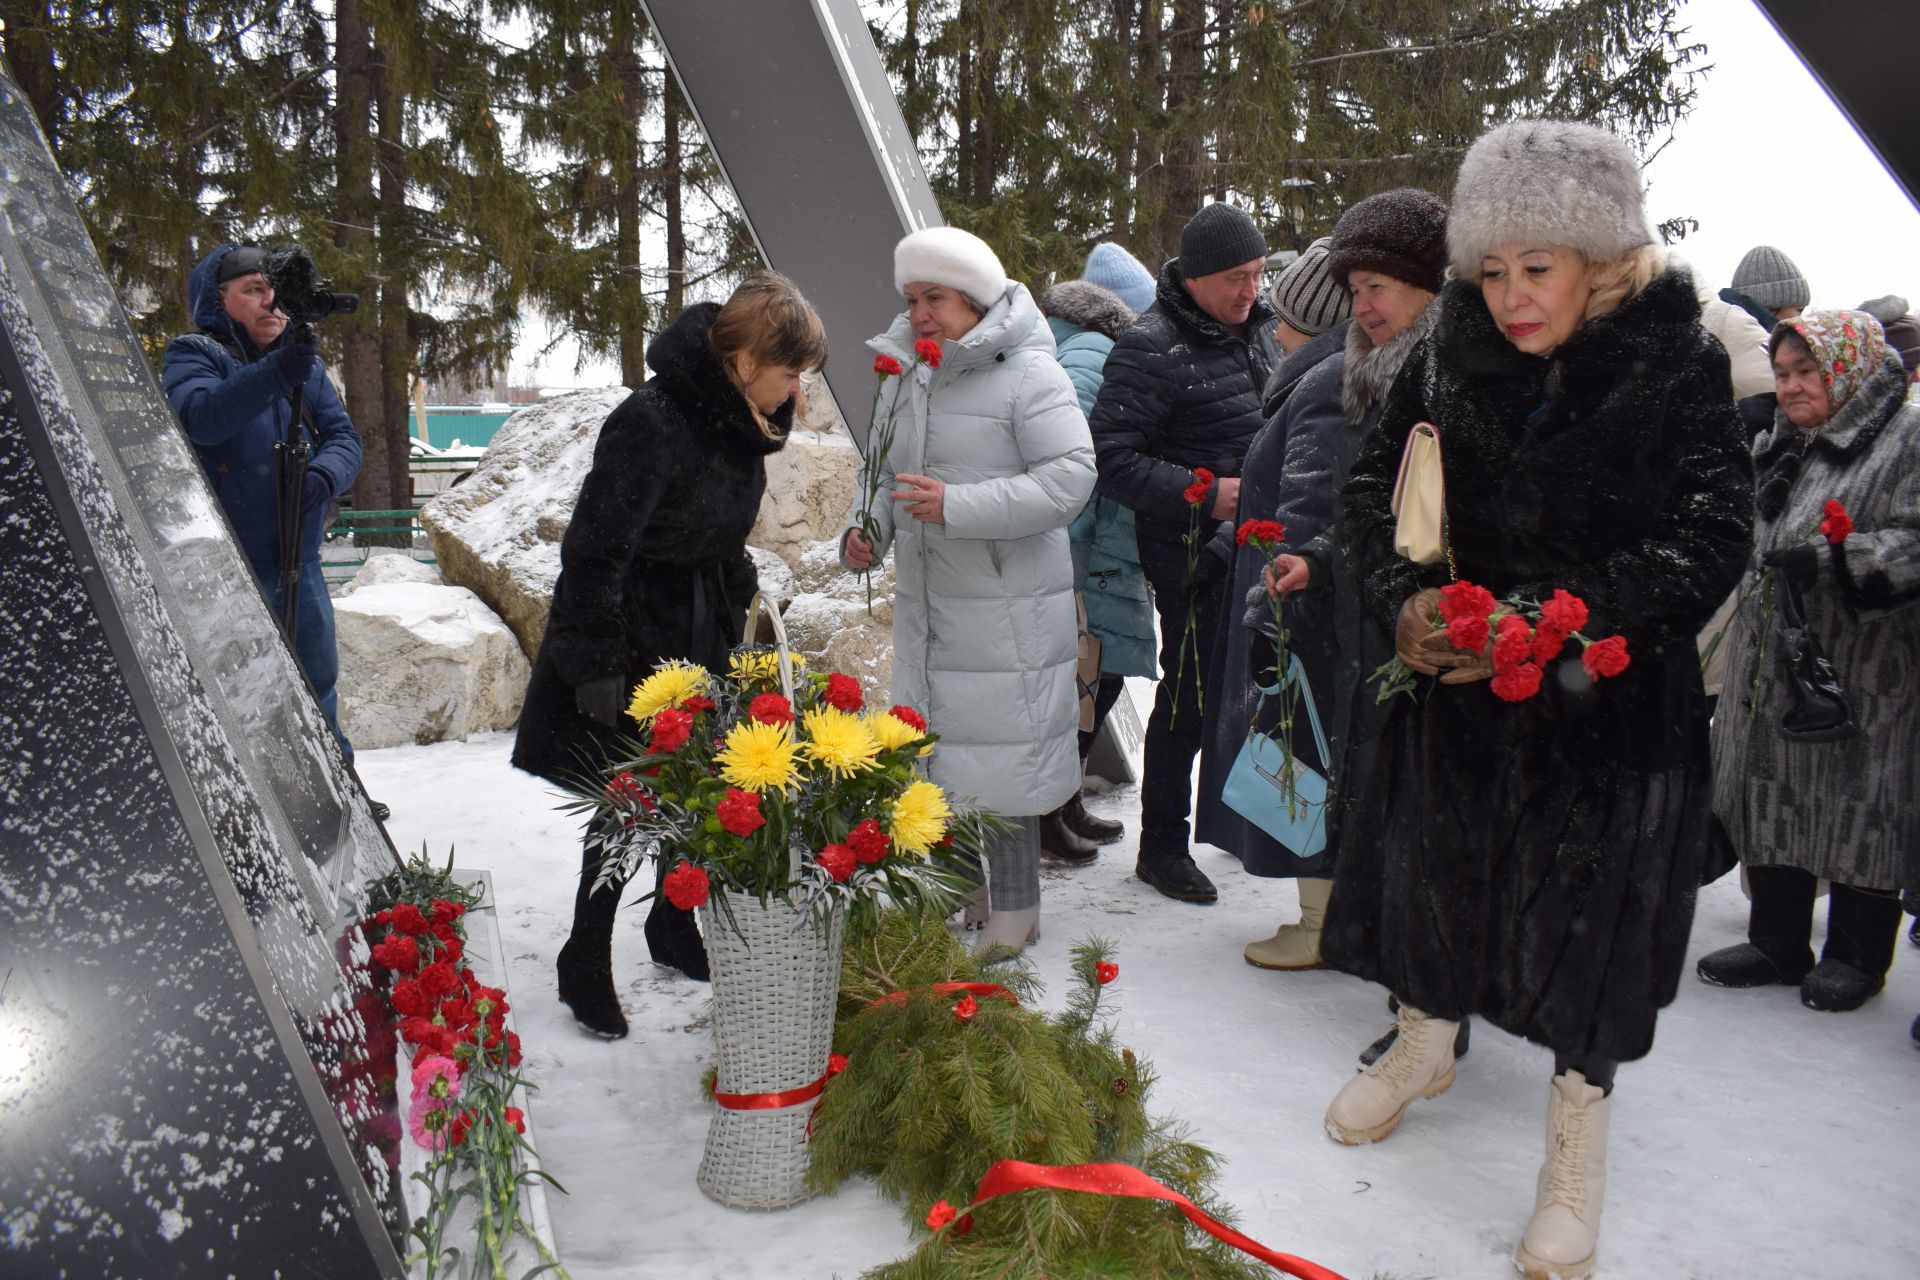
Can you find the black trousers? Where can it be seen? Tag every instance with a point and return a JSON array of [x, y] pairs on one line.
[[672, 936], [1177, 726], [1105, 694]]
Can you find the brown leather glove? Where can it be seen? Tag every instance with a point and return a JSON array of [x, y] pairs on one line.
[[1423, 646], [1477, 666]]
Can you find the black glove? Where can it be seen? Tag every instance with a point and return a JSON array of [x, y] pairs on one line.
[[1799, 564], [317, 493], [296, 362], [599, 700]]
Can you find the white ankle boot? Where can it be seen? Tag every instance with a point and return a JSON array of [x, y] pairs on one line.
[[1562, 1237], [1008, 929], [1420, 1065], [1296, 946]]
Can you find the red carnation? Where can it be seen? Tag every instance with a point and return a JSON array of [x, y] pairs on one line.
[[836, 1063], [408, 1000], [1518, 684], [685, 886], [513, 1048], [1196, 493], [844, 692], [624, 789], [1261, 533], [445, 912], [1565, 612], [868, 842], [771, 708], [886, 366], [1106, 971], [698, 702], [965, 1007], [407, 919], [671, 728], [740, 812], [1469, 632], [1605, 658], [940, 1215], [1547, 643], [462, 1125], [1465, 600], [438, 980], [517, 1118], [908, 716], [1514, 644], [397, 952], [929, 351], [837, 861], [1837, 524]]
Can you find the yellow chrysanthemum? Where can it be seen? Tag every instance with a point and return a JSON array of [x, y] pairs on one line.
[[891, 731], [671, 684], [758, 757], [919, 818], [841, 743], [761, 666]]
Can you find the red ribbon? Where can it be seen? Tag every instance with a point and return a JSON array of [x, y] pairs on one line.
[[982, 989], [1006, 1176], [770, 1101]]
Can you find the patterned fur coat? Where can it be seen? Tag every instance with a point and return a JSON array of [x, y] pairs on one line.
[[1536, 863], [1849, 811]]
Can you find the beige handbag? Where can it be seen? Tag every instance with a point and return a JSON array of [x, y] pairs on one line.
[[1420, 498], [1087, 669]]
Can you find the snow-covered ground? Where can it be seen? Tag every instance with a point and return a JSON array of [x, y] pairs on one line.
[[1759, 1140]]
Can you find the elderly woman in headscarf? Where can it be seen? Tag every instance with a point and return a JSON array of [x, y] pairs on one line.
[[1847, 431], [1534, 859]]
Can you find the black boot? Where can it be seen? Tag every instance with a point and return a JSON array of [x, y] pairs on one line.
[[1062, 843], [1173, 873], [1779, 926], [585, 967], [1088, 827], [1862, 925], [1462, 1040], [674, 940]]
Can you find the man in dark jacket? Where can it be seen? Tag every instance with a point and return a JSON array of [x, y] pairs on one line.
[[231, 385], [1182, 393]]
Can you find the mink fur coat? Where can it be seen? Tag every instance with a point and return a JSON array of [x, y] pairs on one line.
[[1536, 862]]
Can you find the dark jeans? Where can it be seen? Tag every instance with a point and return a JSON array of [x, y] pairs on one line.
[[1175, 729], [313, 643]]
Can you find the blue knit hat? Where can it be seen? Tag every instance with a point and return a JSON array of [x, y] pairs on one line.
[[1112, 267]]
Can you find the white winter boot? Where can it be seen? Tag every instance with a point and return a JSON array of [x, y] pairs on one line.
[[1011, 930], [1562, 1237], [1420, 1065], [1296, 946]]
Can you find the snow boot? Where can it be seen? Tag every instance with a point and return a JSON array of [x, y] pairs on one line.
[[585, 970], [674, 940], [1562, 1238], [1420, 1065], [1779, 928], [1059, 841], [1296, 946], [1862, 926], [1174, 874], [1088, 827], [1462, 1041], [1008, 931]]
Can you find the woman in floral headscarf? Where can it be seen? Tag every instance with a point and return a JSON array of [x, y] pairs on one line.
[[1846, 431]]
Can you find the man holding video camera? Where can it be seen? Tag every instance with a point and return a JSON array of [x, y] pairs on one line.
[[233, 386]]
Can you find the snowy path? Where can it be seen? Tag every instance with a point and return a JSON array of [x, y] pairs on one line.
[[1760, 1139]]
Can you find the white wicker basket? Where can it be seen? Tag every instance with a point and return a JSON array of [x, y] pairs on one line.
[[775, 984]]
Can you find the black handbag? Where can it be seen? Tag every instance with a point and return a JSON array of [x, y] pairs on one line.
[[1818, 709]]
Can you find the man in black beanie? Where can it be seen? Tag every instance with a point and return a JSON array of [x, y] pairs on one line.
[[1181, 394]]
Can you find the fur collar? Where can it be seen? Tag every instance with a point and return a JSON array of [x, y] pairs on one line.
[[1370, 370], [1843, 438], [1171, 296], [685, 370], [1086, 305]]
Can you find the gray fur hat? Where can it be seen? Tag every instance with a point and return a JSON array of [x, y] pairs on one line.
[[1546, 182]]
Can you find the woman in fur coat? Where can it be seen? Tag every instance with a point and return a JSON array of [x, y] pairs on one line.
[[990, 463], [1389, 252], [1535, 862], [1846, 430], [654, 566]]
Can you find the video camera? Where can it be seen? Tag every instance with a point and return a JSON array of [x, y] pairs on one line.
[[297, 288]]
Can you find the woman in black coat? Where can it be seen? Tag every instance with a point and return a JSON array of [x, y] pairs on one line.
[[654, 566], [1535, 862]]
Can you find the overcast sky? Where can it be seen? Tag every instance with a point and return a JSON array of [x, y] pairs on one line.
[[1765, 158]]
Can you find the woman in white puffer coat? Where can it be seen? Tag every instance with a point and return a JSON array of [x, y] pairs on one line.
[[991, 461]]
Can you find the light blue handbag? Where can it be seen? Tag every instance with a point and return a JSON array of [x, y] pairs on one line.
[[1256, 785]]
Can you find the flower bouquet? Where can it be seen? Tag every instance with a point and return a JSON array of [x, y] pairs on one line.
[[1195, 496], [926, 358], [779, 806], [1522, 636]]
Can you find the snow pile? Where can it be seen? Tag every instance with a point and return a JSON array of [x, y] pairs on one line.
[[828, 620], [389, 564], [422, 662]]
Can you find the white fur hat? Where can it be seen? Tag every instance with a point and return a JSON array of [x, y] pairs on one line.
[[1546, 182], [952, 257]]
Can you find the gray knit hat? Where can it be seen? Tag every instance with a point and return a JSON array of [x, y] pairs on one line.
[[1546, 182], [1218, 238], [1307, 296], [1769, 277], [1400, 233]]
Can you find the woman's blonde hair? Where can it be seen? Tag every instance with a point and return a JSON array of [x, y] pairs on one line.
[[768, 321], [1614, 282]]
